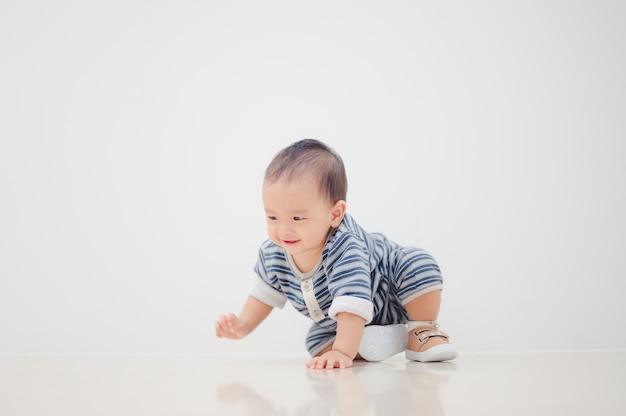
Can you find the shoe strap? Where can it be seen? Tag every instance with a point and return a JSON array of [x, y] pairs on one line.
[[424, 334]]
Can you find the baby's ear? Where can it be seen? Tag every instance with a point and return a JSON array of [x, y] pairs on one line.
[[337, 212]]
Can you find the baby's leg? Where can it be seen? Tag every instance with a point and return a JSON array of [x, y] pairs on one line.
[[320, 339], [424, 307]]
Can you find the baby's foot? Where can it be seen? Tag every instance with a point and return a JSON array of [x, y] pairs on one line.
[[428, 343]]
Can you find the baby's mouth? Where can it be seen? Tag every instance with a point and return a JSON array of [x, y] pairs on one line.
[[290, 242]]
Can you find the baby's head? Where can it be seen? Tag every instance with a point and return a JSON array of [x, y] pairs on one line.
[[312, 160]]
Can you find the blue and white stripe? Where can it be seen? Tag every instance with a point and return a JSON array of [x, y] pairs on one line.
[[362, 273]]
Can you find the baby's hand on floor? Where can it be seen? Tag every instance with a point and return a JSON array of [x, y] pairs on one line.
[[230, 326], [330, 360]]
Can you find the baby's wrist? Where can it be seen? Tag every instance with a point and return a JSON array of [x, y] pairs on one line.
[[340, 352]]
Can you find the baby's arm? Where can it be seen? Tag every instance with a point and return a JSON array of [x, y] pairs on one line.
[[346, 344], [235, 327]]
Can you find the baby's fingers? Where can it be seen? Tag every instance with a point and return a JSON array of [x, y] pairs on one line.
[[313, 363], [231, 320], [224, 325], [220, 327]]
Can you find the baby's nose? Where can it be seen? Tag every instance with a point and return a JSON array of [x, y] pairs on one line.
[[284, 230]]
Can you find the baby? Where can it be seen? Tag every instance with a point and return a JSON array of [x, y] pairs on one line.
[[368, 297]]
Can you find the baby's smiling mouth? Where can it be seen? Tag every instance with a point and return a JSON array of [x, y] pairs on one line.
[[290, 242]]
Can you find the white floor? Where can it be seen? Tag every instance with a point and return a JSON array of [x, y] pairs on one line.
[[590, 383]]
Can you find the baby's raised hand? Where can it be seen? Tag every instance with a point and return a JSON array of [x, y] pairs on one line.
[[230, 326]]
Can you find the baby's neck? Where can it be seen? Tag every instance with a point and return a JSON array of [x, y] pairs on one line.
[[307, 263]]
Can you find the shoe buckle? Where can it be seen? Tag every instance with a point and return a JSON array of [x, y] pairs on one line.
[[424, 336]]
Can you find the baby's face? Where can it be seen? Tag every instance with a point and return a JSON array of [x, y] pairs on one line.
[[298, 217]]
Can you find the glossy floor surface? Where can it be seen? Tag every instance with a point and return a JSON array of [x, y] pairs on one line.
[[590, 383]]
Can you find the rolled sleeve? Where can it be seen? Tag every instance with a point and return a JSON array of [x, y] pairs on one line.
[[351, 304], [267, 294]]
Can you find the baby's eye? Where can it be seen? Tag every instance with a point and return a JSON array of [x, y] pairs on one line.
[[271, 218], [298, 218]]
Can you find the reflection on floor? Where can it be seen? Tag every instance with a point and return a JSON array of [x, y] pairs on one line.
[[575, 383]]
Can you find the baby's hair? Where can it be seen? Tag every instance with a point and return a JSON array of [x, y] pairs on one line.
[[311, 157]]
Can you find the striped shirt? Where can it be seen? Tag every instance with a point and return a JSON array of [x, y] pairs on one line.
[[359, 272]]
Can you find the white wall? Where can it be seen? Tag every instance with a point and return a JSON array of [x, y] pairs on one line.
[[134, 135]]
